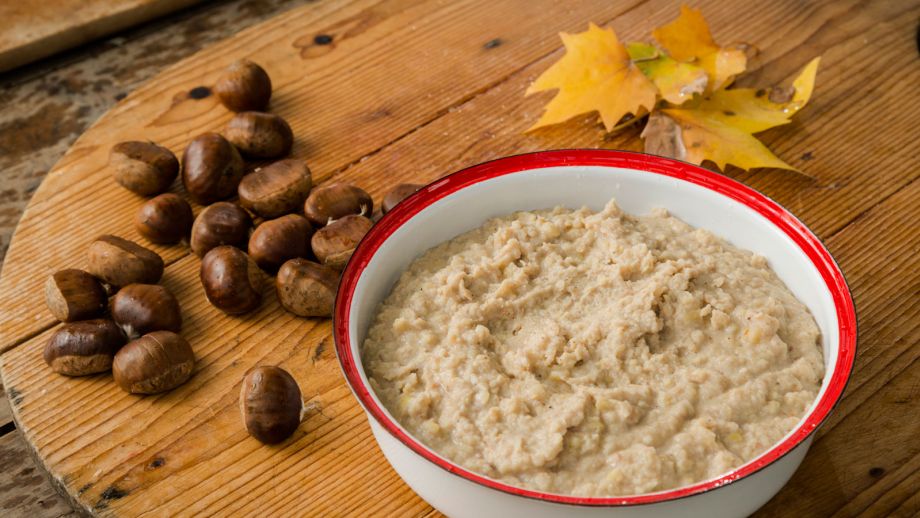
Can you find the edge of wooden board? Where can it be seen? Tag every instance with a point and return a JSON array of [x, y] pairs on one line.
[[19, 51]]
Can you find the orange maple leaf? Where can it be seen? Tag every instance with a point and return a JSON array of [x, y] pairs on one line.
[[596, 74], [688, 39], [720, 126], [676, 81]]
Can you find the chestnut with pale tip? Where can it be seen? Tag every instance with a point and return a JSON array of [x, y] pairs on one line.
[[260, 135], [277, 189], [244, 86], [398, 194], [154, 363], [74, 295], [83, 348], [144, 168], [222, 223], [232, 281], [277, 240], [306, 288], [143, 308], [270, 404], [164, 219], [120, 262], [334, 243], [211, 168], [330, 202]]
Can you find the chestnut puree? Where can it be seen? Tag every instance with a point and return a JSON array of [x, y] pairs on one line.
[[594, 353]]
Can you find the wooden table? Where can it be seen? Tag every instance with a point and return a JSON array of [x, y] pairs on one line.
[[857, 139]]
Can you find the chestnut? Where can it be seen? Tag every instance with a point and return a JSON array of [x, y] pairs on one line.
[[85, 347], [260, 135], [276, 189], [398, 194], [143, 308], [336, 200], [277, 240], [211, 168], [306, 289], [74, 295], [244, 86], [223, 223], [143, 167], [164, 219], [334, 243], [232, 281], [270, 403], [120, 262], [153, 363]]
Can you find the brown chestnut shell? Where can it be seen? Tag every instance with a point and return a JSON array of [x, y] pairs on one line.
[[334, 243], [232, 281], [276, 189], [398, 194], [154, 363], [277, 240], [260, 135], [164, 219], [85, 347], [270, 404], [306, 288], [211, 168], [73, 294], [244, 86], [143, 308], [144, 168], [120, 262], [336, 200], [222, 223]]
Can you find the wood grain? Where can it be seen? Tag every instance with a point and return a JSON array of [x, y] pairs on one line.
[[458, 100], [868, 439], [33, 30], [340, 100], [36, 498], [6, 415]]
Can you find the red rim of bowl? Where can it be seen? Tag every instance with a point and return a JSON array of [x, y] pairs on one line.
[[772, 211]]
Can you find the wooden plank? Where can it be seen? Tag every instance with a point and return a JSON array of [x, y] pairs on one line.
[[100, 442], [34, 30], [878, 256], [893, 490], [6, 415], [33, 496], [341, 99], [125, 452], [848, 179], [47, 106], [846, 461], [868, 442], [909, 508]]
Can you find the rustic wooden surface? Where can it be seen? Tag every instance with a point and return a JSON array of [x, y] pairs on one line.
[[456, 99], [33, 30]]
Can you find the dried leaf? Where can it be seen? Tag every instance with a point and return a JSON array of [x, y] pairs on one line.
[[720, 126], [676, 81], [596, 74], [688, 39], [663, 137]]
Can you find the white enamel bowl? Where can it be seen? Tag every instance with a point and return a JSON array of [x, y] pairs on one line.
[[639, 183]]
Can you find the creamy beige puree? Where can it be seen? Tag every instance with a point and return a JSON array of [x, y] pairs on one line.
[[594, 353]]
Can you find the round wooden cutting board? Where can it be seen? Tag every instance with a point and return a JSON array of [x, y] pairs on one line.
[[393, 91]]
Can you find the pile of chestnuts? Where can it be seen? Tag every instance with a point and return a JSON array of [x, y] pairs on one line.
[[134, 333], [279, 224]]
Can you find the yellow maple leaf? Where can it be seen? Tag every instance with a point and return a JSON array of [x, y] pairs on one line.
[[720, 126], [676, 81], [688, 39], [595, 74]]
